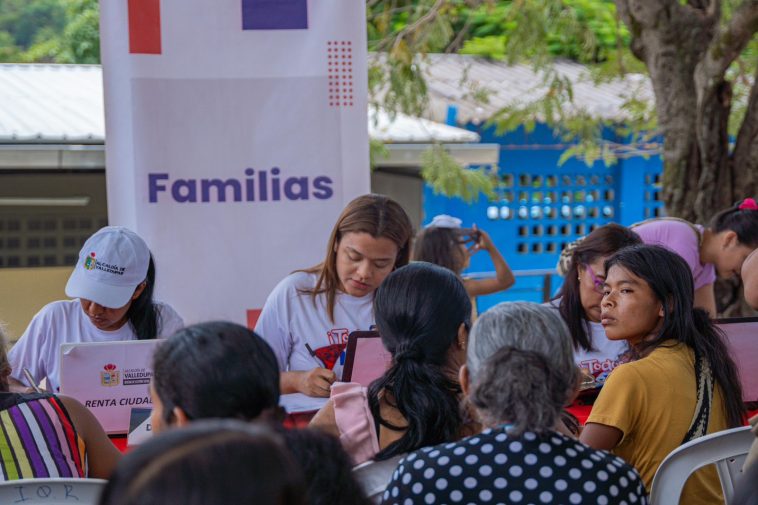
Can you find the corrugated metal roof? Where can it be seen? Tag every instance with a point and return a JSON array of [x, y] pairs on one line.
[[51, 103], [408, 129], [64, 104], [506, 85]]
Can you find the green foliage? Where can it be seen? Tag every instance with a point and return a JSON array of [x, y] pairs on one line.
[[515, 31], [9, 51], [446, 176], [56, 31], [377, 151], [583, 30], [23, 19]]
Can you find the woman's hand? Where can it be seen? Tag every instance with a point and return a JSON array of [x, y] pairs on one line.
[[503, 275], [485, 241], [316, 382]]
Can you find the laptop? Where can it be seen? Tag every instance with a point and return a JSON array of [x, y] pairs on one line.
[[742, 339], [109, 378], [366, 359]]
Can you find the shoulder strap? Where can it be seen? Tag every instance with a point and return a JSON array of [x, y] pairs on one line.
[[704, 384]]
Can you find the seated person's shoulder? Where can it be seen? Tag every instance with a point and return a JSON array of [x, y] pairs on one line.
[[169, 320], [294, 285], [61, 307], [298, 280], [53, 315]]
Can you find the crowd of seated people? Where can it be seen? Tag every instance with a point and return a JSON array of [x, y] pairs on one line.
[[468, 410]]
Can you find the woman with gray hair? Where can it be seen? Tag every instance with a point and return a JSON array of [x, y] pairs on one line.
[[519, 373]]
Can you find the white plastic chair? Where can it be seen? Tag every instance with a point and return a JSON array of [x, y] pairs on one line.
[[726, 449], [52, 491], [373, 476]]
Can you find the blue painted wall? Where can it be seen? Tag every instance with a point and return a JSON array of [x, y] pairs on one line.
[[541, 206]]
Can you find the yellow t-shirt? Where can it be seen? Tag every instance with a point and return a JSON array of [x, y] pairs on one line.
[[652, 402]]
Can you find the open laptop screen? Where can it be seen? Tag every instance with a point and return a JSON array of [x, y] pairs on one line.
[[366, 359], [109, 378], [742, 338]]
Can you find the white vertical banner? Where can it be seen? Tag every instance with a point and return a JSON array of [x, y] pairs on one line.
[[236, 132]]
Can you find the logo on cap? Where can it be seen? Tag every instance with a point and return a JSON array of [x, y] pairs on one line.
[[89, 263]]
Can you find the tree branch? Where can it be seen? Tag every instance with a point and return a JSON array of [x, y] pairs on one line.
[[729, 42], [745, 155], [457, 43], [426, 18], [713, 140]]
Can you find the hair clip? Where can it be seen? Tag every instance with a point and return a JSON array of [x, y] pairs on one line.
[[748, 204]]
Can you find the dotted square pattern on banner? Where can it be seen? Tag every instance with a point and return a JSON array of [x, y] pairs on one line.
[[339, 57]]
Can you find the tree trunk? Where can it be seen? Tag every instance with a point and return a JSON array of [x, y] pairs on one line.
[[687, 54]]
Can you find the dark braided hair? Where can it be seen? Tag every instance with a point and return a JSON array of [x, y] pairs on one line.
[[419, 309]]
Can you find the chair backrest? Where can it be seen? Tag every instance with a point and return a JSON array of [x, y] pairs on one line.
[[726, 449], [373, 476], [52, 491]]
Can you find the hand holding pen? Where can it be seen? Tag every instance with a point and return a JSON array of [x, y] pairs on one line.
[[32, 382], [318, 381]]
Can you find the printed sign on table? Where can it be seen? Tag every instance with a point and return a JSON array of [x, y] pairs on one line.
[[109, 378], [236, 133]]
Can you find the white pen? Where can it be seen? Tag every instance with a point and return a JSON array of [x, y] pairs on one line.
[[29, 378]]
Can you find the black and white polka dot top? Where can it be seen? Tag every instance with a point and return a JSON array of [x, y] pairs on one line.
[[495, 467]]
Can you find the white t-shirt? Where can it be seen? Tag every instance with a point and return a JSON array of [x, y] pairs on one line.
[[608, 354], [290, 319], [64, 322]]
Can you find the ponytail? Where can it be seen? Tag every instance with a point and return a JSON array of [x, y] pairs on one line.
[[708, 341], [426, 396], [143, 314], [742, 219], [419, 309]]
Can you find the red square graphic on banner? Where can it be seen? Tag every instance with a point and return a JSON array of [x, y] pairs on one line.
[[144, 26], [252, 317]]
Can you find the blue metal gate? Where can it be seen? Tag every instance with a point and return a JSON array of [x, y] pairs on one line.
[[540, 206]]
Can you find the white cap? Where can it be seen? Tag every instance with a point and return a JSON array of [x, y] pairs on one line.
[[112, 263], [444, 221]]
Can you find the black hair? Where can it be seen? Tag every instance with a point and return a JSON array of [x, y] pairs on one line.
[[143, 313], [670, 278], [603, 241], [419, 309], [441, 246], [216, 369], [743, 222], [209, 462], [326, 467]]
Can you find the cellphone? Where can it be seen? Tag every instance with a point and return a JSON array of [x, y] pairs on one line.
[[470, 236]]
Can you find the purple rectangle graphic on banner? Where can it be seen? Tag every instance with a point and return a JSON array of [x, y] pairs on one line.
[[274, 14]]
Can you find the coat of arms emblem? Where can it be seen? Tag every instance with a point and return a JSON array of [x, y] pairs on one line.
[[109, 376]]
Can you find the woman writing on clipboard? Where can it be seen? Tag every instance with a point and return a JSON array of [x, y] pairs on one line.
[[309, 314]]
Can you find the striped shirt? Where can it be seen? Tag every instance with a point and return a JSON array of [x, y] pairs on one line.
[[38, 438]]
